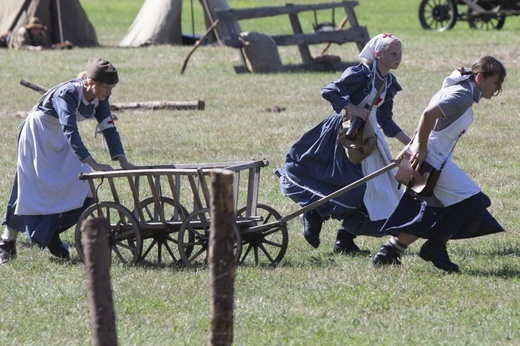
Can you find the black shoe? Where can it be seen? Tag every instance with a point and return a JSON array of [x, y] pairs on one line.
[[7, 250], [312, 222], [344, 244], [58, 248], [434, 250], [386, 255]]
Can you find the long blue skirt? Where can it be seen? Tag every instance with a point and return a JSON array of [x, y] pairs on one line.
[[466, 219], [317, 166]]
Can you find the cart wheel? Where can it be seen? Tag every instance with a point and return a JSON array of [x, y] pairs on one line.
[[270, 243], [493, 21], [124, 237], [194, 239], [440, 15], [162, 238]]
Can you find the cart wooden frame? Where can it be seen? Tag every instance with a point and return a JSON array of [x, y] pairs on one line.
[[163, 214]]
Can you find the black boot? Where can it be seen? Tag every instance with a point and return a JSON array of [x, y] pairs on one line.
[[386, 255], [7, 250], [434, 250], [344, 244], [312, 222], [58, 248], [390, 253]]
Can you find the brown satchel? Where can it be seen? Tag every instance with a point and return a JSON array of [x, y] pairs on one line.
[[419, 182], [365, 143], [363, 146], [422, 182]]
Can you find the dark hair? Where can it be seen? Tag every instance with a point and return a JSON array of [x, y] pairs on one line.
[[487, 66]]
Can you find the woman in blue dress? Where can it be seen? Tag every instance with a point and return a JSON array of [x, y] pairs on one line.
[[47, 197], [316, 165], [458, 208]]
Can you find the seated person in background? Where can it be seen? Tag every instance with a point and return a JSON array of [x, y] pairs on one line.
[[33, 36]]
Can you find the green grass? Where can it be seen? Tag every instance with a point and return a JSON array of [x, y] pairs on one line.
[[313, 297]]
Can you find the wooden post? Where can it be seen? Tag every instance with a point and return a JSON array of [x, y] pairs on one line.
[[97, 252], [221, 258]]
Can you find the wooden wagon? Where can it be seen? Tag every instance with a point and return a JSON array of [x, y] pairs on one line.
[[161, 214]]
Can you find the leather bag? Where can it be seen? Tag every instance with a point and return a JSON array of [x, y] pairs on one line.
[[420, 182], [361, 147], [365, 143]]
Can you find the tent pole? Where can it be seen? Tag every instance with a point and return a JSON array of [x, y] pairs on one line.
[[192, 20], [210, 17], [59, 21]]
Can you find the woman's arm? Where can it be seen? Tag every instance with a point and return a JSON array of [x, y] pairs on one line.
[[419, 148]]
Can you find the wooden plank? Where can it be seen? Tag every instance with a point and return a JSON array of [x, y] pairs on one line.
[[302, 46], [358, 34], [230, 14]]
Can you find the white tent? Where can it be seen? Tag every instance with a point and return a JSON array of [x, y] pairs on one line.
[[159, 22]]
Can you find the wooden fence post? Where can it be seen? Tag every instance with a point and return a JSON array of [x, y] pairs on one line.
[[221, 258], [97, 254]]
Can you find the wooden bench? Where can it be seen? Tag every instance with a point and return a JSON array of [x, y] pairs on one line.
[[353, 33]]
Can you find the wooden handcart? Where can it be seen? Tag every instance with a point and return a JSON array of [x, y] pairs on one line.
[[161, 214]]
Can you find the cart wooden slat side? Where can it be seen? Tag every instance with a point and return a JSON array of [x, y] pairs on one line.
[[167, 207]]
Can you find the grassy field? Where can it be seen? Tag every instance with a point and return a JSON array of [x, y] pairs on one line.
[[313, 297]]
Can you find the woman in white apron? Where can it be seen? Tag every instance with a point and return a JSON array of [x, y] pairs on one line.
[[316, 165], [47, 197], [458, 208]]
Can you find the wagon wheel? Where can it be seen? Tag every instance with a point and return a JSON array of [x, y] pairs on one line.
[[440, 15], [194, 239], [494, 21], [124, 236], [270, 243], [162, 238]]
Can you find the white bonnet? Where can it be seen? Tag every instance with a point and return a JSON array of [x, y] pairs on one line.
[[376, 44]]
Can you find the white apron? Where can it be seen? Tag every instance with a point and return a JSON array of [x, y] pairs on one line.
[[454, 184], [47, 168], [381, 194]]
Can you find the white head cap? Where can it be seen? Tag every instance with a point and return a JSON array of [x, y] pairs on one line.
[[377, 44]]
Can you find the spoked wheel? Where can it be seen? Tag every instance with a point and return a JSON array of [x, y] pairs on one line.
[[163, 239], [440, 15], [269, 244], [124, 236], [194, 239], [481, 21]]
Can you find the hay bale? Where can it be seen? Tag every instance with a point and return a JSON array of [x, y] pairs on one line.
[[261, 52]]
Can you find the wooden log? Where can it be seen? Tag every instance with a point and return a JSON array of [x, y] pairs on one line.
[[97, 258], [151, 105], [221, 258], [155, 105], [33, 86]]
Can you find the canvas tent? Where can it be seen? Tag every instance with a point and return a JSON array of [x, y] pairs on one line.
[[159, 22], [64, 19]]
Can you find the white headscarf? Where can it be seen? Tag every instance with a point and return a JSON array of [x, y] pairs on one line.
[[376, 44]]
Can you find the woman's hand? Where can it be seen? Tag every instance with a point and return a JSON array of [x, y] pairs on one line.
[[127, 165], [418, 155], [124, 163], [98, 166], [356, 111], [101, 167]]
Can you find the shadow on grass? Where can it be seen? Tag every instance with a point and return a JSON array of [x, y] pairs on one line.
[[505, 272]]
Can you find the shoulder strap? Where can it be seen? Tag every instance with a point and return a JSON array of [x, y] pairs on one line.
[[379, 91]]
